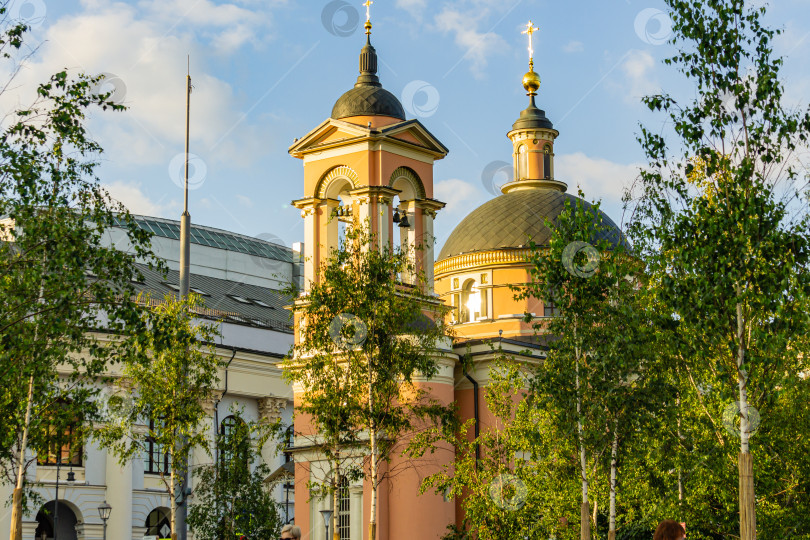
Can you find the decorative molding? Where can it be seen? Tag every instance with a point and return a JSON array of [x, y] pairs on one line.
[[408, 174], [466, 261], [270, 408], [340, 171], [209, 403]]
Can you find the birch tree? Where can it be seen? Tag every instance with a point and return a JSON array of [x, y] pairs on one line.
[[722, 212], [597, 377], [368, 348], [179, 353], [60, 283]]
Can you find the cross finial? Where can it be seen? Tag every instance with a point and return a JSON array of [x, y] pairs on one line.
[[368, 3], [368, 10], [530, 29]]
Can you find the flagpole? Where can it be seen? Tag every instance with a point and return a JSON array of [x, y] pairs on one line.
[[185, 256]]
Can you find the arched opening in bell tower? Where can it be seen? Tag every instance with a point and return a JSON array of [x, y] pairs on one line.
[[407, 215], [335, 192]]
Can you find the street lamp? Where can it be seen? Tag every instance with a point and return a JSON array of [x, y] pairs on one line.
[[327, 517], [104, 513]]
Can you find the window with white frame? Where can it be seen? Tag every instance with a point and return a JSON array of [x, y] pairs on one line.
[[344, 510]]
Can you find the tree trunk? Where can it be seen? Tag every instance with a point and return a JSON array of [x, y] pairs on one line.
[[585, 517], [335, 501], [613, 453], [173, 502], [748, 527], [372, 522], [748, 522], [585, 522], [16, 508], [372, 435]]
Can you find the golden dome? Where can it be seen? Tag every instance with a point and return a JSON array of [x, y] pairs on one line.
[[531, 82]]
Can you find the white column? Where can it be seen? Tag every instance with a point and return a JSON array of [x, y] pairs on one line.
[[364, 216], [119, 496], [309, 246], [427, 248], [383, 218], [356, 511]]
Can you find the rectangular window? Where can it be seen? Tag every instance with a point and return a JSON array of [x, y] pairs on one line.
[[62, 443], [550, 309], [155, 459], [344, 511]]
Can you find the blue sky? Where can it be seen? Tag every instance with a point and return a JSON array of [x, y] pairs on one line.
[[268, 71]]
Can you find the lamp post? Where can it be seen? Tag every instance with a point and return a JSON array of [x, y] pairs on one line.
[[104, 513], [327, 517]]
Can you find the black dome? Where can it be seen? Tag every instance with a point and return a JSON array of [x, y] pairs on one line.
[[367, 100], [512, 219]]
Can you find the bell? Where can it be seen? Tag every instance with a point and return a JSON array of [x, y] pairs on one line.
[[396, 216], [403, 224]]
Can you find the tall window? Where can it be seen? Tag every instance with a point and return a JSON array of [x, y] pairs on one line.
[[523, 162], [344, 510], [62, 442], [547, 162], [234, 438], [550, 309], [473, 302], [288, 443], [156, 458]]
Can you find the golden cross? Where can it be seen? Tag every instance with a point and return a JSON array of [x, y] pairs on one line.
[[368, 9], [530, 29]]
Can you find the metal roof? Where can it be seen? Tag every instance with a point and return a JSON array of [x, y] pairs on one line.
[[231, 301], [216, 238], [513, 219]]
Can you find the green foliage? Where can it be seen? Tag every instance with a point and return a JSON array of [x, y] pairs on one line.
[[367, 338], [602, 378], [722, 224], [54, 223], [231, 497], [170, 370], [520, 487]]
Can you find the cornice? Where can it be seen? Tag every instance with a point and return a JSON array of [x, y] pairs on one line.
[[466, 261]]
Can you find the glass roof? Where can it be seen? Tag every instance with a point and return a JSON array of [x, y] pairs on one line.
[[216, 239]]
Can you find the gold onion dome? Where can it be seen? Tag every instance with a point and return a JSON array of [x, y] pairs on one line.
[[531, 82]]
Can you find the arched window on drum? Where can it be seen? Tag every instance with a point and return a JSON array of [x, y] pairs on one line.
[[523, 162], [473, 305]]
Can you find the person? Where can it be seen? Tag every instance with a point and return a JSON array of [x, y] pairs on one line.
[[290, 532], [669, 530]]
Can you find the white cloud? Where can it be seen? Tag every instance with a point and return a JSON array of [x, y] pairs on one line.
[[415, 7], [136, 201], [461, 197], [639, 81], [598, 178], [574, 47], [247, 202], [478, 46], [144, 47]]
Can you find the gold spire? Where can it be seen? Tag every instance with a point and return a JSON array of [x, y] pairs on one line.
[[531, 81], [367, 5]]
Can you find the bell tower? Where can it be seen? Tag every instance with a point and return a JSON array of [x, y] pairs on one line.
[[532, 137], [368, 164]]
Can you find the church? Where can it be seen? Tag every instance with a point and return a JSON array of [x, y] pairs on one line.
[[366, 162]]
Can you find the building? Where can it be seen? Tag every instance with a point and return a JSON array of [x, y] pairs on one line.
[[240, 279], [367, 161]]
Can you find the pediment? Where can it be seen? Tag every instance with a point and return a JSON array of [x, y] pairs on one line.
[[331, 133]]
